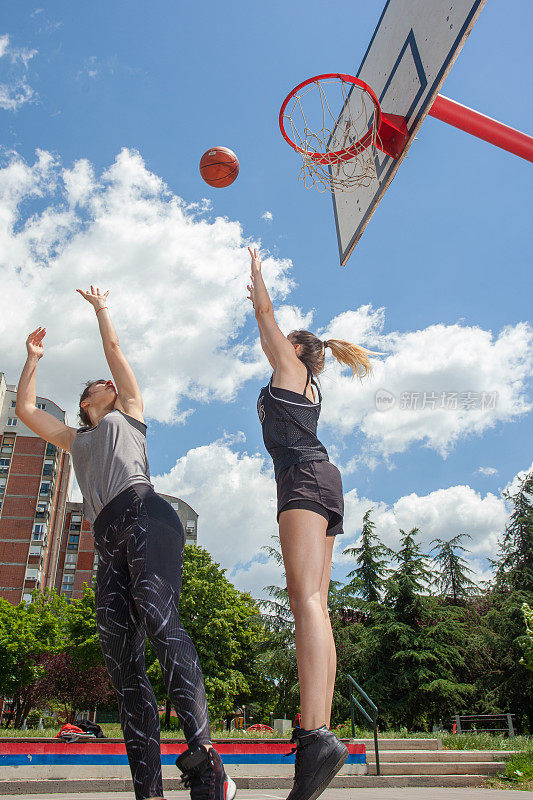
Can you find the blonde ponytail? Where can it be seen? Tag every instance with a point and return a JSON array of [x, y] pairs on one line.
[[313, 350], [352, 355]]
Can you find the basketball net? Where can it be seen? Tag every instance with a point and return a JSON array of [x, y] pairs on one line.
[[333, 155]]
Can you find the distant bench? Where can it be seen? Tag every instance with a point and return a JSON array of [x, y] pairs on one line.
[[484, 723]]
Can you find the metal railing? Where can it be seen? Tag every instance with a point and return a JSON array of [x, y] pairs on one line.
[[372, 720]]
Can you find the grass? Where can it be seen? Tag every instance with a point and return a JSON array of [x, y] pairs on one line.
[[518, 772]]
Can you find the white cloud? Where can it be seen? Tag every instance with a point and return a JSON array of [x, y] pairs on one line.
[[177, 280], [423, 367], [488, 471], [268, 216], [234, 495], [441, 514], [14, 88]]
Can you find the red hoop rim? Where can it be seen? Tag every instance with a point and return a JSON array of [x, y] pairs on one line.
[[341, 155]]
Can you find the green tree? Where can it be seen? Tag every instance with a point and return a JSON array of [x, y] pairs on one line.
[[526, 642], [27, 633], [514, 567], [278, 652], [368, 577], [225, 625], [453, 580], [83, 641], [411, 655], [509, 686]]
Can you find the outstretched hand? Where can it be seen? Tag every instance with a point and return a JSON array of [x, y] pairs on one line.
[[255, 269], [256, 261], [96, 298], [34, 342]]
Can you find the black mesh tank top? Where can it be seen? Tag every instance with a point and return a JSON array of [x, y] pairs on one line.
[[289, 421]]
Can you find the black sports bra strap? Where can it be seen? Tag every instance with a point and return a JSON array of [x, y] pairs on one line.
[[309, 376]]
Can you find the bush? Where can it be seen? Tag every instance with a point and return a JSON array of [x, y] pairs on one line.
[[519, 768], [173, 726]]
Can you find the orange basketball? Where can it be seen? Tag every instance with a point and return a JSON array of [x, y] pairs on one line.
[[219, 166]]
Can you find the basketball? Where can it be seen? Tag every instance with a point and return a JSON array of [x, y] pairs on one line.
[[219, 167]]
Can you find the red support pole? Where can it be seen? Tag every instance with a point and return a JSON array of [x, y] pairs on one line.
[[466, 119]]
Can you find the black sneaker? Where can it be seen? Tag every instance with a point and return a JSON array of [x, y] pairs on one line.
[[319, 756], [204, 774]]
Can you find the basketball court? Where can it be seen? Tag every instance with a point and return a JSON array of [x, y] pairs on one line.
[[329, 794]]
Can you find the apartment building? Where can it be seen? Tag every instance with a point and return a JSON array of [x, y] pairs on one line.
[[35, 478]]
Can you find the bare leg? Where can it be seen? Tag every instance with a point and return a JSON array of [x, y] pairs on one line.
[[304, 545], [332, 661]]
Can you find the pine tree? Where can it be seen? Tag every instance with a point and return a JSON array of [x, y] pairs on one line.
[[514, 568], [408, 581], [510, 684], [453, 580], [371, 558]]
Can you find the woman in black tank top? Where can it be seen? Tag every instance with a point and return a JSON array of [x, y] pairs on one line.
[[310, 511]]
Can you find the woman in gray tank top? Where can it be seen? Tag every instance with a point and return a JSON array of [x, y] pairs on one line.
[[139, 540]]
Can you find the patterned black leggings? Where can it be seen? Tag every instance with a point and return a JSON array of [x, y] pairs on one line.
[[139, 539]]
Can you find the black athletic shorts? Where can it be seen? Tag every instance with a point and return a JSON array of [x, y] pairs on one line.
[[316, 486]]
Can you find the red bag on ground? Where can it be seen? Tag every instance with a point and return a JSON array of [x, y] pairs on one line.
[[69, 730]]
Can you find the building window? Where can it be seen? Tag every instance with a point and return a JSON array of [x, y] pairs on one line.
[[3, 482], [48, 467], [4, 465], [68, 581], [71, 558], [35, 549], [6, 448], [26, 598], [50, 449], [32, 574], [45, 488], [11, 422], [39, 527], [190, 526], [40, 405], [13, 403], [73, 541]]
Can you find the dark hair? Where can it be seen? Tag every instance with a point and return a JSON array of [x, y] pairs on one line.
[[313, 351], [83, 415]]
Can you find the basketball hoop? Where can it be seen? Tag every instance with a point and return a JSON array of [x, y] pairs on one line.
[[337, 149]]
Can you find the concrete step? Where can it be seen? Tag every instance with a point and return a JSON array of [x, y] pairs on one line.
[[109, 785], [401, 744], [443, 768], [399, 756]]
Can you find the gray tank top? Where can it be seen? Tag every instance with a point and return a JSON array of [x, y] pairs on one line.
[[108, 459]]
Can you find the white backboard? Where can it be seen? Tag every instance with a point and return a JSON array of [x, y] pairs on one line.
[[409, 56]]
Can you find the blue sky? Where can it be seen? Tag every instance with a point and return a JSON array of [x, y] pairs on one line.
[[443, 270]]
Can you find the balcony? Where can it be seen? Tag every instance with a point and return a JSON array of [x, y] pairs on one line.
[[51, 449]]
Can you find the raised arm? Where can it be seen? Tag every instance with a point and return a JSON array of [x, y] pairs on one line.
[[129, 396], [40, 422], [276, 346]]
